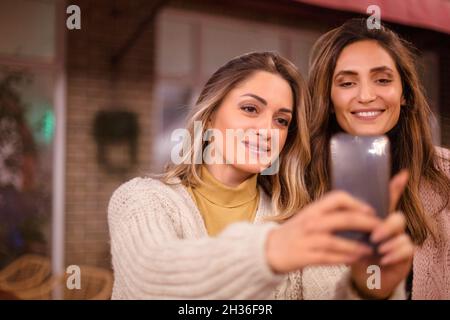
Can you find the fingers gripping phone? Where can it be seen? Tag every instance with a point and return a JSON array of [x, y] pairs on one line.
[[360, 165]]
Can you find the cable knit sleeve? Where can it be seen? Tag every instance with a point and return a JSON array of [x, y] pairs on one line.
[[155, 256]]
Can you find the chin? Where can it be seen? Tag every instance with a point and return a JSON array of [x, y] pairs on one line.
[[367, 131], [251, 168]]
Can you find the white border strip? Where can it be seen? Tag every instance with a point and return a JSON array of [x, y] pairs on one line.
[[59, 148]]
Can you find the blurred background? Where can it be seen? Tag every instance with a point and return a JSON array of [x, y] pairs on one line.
[[84, 110]]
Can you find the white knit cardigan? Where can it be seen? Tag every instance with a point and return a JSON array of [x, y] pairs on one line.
[[161, 250]]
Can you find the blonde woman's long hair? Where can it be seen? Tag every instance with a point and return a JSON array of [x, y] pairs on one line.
[[287, 186]]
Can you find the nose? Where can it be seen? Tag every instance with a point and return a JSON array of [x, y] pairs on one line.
[[366, 93], [265, 127]]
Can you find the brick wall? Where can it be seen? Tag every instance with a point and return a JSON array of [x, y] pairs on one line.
[[93, 85]]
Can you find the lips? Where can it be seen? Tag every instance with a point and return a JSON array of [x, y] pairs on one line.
[[367, 114]]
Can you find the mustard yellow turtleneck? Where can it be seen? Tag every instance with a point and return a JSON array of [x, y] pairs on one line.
[[221, 205]]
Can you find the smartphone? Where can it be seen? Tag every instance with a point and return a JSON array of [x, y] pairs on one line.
[[361, 165]]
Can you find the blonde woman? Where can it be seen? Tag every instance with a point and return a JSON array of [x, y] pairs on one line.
[[365, 82], [227, 230]]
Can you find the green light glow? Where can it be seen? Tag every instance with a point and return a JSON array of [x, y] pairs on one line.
[[48, 126]]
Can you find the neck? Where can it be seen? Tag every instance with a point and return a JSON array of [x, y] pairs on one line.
[[394, 132], [227, 174]]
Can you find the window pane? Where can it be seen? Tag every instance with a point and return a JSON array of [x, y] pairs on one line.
[[174, 41], [301, 48], [26, 142], [27, 28], [222, 42], [174, 100]]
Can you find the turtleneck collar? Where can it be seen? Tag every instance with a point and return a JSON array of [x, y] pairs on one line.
[[216, 192]]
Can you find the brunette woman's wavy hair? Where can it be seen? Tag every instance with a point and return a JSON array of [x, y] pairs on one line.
[[413, 150]]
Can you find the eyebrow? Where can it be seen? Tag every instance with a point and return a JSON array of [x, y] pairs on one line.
[[264, 102], [381, 69], [354, 73]]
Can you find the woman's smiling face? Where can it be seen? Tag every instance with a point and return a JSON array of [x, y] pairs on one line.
[[366, 89], [262, 104]]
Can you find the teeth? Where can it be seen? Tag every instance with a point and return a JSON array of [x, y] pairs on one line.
[[368, 113], [256, 149]]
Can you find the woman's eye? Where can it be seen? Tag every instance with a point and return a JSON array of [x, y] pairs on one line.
[[346, 84], [249, 109], [384, 81], [282, 122]]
